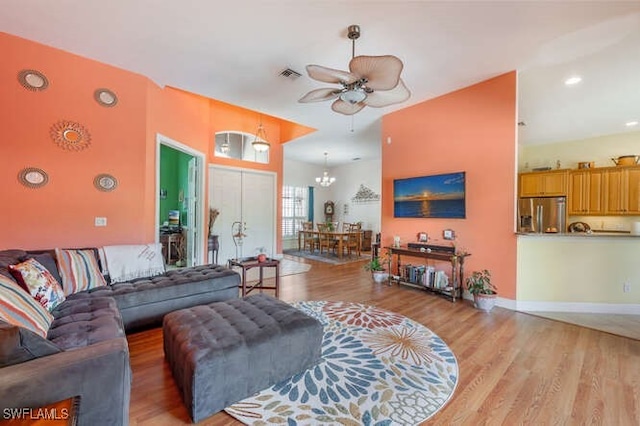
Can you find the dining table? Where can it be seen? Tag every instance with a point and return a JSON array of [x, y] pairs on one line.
[[339, 236]]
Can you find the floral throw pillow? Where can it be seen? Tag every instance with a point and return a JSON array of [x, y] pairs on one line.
[[39, 282], [17, 307]]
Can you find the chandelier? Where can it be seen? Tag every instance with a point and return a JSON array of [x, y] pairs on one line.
[[260, 143], [325, 180]]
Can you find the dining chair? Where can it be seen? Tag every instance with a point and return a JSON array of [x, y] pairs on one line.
[[310, 241], [325, 238], [352, 243]]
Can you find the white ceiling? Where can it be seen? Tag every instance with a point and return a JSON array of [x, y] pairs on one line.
[[235, 50]]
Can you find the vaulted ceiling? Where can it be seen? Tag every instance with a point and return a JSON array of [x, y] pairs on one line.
[[235, 51]]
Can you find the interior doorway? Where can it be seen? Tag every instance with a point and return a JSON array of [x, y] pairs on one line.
[[243, 196], [179, 207]]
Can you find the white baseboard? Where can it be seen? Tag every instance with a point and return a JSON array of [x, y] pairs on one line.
[[573, 307], [577, 307]]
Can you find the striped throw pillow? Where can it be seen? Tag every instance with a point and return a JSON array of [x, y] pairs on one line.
[[17, 307], [79, 270]]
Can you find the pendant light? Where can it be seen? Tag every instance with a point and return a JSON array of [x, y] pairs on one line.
[[325, 180], [224, 148], [260, 143]]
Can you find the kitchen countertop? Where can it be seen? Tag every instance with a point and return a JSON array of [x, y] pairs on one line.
[[593, 234]]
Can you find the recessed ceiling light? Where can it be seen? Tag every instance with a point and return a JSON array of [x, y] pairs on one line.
[[573, 80], [631, 123]]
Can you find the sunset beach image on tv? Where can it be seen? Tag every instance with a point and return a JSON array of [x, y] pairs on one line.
[[435, 196]]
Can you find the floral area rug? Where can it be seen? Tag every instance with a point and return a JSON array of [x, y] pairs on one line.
[[378, 368]]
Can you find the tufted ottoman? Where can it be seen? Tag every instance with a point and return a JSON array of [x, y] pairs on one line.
[[223, 352]]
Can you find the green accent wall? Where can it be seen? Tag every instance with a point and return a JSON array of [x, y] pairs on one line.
[[174, 175]]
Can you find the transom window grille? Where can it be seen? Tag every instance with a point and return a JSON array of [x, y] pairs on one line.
[[294, 209]]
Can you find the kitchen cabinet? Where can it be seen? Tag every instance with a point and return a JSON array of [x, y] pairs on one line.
[[546, 184], [623, 191], [586, 194], [633, 189]]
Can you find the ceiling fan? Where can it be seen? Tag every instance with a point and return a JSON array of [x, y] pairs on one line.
[[371, 81]]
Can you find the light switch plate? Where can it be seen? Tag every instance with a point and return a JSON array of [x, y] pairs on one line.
[[100, 221]]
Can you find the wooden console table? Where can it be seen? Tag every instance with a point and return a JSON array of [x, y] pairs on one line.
[[453, 291], [252, 262]]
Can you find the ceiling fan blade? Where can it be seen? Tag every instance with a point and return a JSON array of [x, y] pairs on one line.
[[319, 95], [330, 75], [381, 72], [382, 98], [346, 108]]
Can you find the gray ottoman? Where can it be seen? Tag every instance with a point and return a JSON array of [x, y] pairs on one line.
[[223, 352]]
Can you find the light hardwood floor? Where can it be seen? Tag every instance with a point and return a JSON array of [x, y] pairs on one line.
[[620, 324], [515, 368]]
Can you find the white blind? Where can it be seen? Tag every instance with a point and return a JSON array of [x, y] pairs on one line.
[[294, 209]]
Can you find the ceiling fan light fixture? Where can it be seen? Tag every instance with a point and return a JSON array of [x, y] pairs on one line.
[[260, 143], [353, 96], [371, 81]]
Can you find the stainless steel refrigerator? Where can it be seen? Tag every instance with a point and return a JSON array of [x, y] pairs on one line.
[[542, 214]]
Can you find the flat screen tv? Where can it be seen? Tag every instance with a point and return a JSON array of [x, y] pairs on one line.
[[437, 196]]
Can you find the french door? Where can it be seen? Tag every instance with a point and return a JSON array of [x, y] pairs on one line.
[[248, 197]]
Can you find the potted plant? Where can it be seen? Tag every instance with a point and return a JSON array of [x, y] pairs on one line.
[[379, 267], [483, 291]]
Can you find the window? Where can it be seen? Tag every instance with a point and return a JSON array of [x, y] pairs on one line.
[[238, 145], [294, 209]]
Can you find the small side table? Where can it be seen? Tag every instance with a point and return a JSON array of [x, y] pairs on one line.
[[248, 263]]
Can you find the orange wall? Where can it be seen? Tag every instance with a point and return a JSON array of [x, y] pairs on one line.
[[470, 130], [61, 214]]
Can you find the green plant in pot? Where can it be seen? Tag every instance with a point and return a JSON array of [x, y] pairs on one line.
[[483, 291], [379, 267]]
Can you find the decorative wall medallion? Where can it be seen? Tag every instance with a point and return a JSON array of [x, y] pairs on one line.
[[70, 135], [105, 182], [33, 80], [33, 177], [105, 97]]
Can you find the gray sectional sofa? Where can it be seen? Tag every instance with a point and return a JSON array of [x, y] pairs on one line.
[[85, 355]]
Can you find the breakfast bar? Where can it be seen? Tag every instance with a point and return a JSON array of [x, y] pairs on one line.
[[559, 270]]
